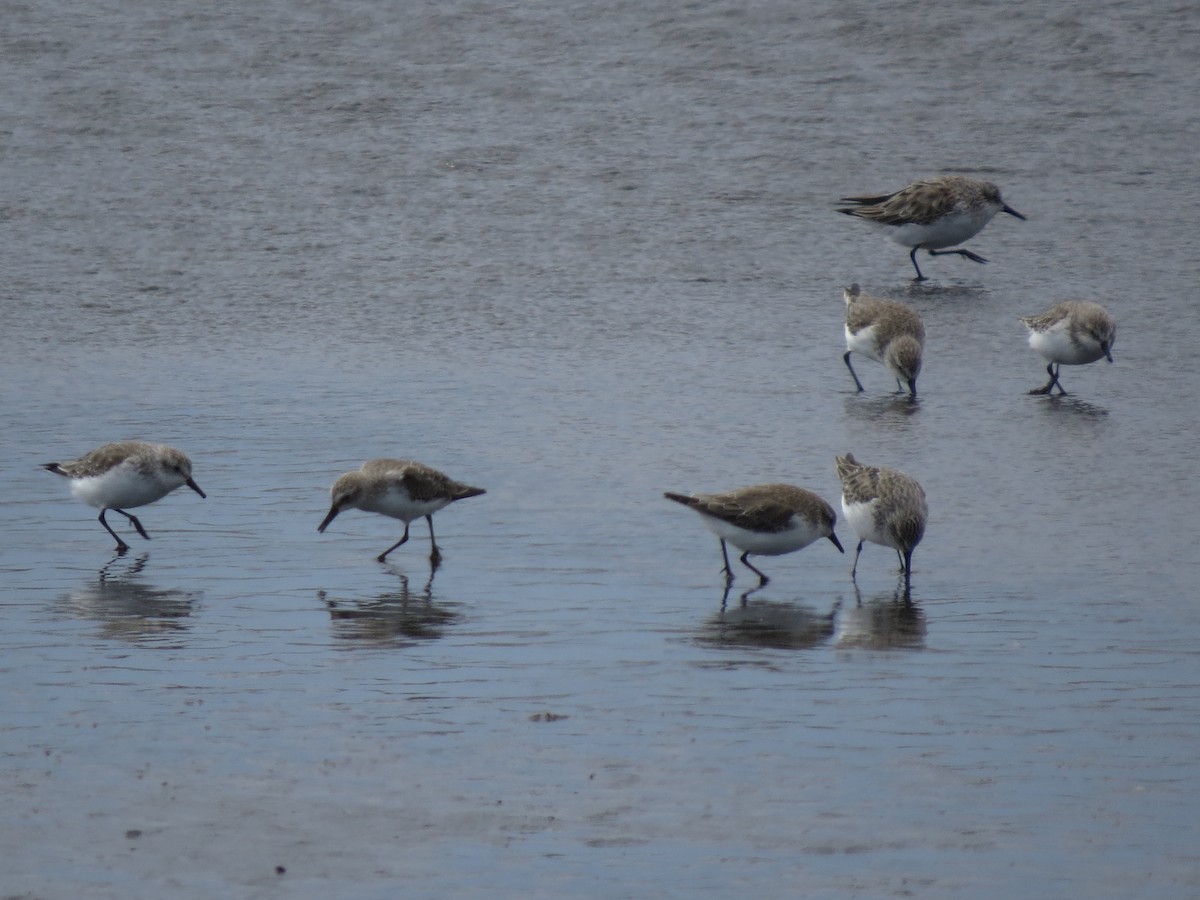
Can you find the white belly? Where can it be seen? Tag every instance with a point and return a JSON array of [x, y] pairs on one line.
[[1056, 346], [774, 543]]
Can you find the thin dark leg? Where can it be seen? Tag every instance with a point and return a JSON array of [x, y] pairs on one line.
[[382, 556], [728, 571], [762, 579], [913, 257], [846, 360], [121, 545], [435, 555], [1048, 388], [854, 568], [136, 523], [974, 257]]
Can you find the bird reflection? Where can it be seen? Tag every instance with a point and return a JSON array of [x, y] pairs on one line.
[[884, 622], [782, 625], [128, 608], [1074, 409], [891, 409], [396, 618]]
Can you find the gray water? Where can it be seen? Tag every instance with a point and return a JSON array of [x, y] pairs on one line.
[[582, 253]]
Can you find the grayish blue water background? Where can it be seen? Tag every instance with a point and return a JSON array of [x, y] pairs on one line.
[[580, 253]]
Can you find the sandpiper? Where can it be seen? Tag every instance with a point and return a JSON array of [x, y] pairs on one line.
[[401, 489], [883, 506], [1072, 333], [933, 213], [766, 520], [124, 475], [886, 331]]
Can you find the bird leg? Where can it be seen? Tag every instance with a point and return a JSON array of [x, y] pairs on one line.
[[728, 571], [762, 579], [974, 257], [1048, 387], [382, 556], [854, 568], [121, 545], [913, 256], [846, 360], [435, 555]]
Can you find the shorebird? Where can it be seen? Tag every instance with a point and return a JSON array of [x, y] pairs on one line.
[[126, 475], [886, 331], [766, 520], [1072, 333], [401, 489], [883, 506], [933, 213]]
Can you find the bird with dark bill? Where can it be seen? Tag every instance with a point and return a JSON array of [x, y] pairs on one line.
[[932, 214], [765, 520], [401, 489]]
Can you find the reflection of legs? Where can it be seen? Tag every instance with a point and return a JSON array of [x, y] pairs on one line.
[[382, 556], [762, 579]]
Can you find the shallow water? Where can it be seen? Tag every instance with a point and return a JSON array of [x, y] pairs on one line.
[[580, 255]]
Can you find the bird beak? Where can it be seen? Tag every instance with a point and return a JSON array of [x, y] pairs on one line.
[[1107, 353], [329, 518], [836, 542], [1012, 212], [912, 388], [195, 487]]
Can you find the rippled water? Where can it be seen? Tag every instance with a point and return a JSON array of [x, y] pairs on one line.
[[581, 254]]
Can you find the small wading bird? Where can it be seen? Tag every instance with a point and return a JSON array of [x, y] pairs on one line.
[[126, 475], [766, 520], [401, 489], [885, 507], [933, 213], [1073, 333], [886, 331]]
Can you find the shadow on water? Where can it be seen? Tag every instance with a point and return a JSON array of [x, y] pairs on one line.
[[883, 622], [127, 607], [1070, 409], [935, 290], [397, 618], [775, 624], [887, 410]]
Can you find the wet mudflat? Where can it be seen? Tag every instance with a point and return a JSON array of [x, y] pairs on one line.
[[580, 257]]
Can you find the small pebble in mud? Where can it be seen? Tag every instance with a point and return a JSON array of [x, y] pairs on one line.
[[279, 870]]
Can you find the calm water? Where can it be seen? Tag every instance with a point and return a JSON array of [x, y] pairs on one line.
[[580, 254]]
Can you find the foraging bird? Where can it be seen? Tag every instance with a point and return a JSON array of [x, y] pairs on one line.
[[401, 489], [1072, 333], [883, 506], [933, 213], [886, 331], [766, 520], [125, 475]]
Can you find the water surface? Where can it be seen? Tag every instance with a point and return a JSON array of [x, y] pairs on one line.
[[581, 254]]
